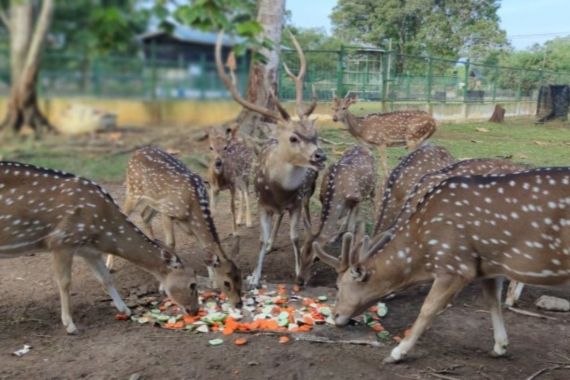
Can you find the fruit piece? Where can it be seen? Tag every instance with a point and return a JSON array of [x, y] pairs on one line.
[[122, 317], [323, 298], [215, 342], [377, 327], [240, 341], [408, 332], [382, 309], [284, 339], [203, 329], [174, 326]]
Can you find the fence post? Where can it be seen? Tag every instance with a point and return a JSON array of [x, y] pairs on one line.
[[96, 77], [385, 57], [340, 72], [466, 80], [153, 72], [495, 84], [518, 96], [203, 76], [429, 79]]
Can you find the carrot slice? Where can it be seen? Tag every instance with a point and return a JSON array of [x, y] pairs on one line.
[[174, 326], [284, 339], [377, 327], [122, 317], [240, 341]]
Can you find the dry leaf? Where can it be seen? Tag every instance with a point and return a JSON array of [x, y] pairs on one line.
[[482, 130], [541, 143], [476, 141], [522, 156]]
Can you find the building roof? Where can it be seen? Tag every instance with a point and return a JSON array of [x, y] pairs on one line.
[[185, 34]]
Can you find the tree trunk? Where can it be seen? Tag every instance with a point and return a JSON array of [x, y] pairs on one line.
[[270, 15], [26, 50], [498, 114]]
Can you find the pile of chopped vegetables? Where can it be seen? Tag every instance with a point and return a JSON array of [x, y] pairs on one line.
[[263, 311]]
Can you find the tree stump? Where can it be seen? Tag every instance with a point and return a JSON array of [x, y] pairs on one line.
[[498, 114]]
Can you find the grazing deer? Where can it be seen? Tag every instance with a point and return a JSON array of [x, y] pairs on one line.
[[164, 185], [347, 183], [49, 210], [424, 160], [466, 228], [400, 128], [231, 169], [283, 164]]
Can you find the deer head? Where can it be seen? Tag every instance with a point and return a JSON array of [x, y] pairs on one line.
[[218, 145], [297, 138], [340, 107], [180, 283], [227, 276]]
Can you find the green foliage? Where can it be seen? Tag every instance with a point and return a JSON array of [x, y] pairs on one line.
[[235, 17], [444, 28], [97, 27]]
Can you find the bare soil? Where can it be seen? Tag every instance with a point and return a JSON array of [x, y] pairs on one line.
[[456, 347]]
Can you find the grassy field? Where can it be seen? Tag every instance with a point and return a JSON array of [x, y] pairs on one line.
[[104, 157]]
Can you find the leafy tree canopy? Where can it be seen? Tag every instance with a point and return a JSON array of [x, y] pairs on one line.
[[444, 28]]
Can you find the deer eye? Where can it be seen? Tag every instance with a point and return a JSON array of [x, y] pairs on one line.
[[294, 139], [343, 108], [211, 148], [192, 286], [227, 285]]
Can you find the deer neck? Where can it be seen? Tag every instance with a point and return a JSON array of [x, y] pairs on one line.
[[280, 171], [130, 243], [354, 124]]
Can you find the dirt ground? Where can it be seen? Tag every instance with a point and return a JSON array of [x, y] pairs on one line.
[[456, 347]]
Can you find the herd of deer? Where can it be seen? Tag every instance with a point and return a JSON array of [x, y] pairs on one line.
[[439, 219]]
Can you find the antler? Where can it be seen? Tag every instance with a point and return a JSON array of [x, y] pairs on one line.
[[301, 111], [231, 85]]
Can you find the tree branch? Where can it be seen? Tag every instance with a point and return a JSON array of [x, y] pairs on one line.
[[4, 19], [38, 40]]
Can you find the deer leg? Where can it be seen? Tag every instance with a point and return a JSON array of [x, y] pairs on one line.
[[212, 199], [514, 293], [95, 262], [239, 207], [441, 292], [147, 214], [383, 161], [168, 227], [247, 210], [265, 218], [233, 210], [307, 213], [294, 217], [274, 231], [492, 289], [128, 208], [62, 260]]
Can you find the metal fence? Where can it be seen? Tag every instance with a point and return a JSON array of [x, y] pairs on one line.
[[372, 74]]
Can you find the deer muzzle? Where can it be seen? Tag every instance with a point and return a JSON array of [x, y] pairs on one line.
[[318, 159]]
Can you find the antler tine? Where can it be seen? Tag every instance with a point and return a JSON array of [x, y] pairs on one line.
[[325, 257], [299, 77], [231, 85], [313, 104]]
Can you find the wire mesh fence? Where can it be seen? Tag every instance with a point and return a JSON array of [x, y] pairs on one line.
[[371, 74]]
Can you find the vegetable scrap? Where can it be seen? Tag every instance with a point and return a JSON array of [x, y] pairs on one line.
[[22, 351], [264, 310]]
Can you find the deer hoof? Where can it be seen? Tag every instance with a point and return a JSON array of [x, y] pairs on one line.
[[391, 360], [499, 351], [71, 329]]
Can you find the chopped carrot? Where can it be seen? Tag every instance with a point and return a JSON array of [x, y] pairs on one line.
[[122, 317], [308, 301], [275, 310], [377, 327], [408, 332], [162, 308], [284, 339], [308, 320], [215, 326], [223, 297], [281, 301], [189, 319], [174, 326], [303, 328], [240, 341], [230, 326]]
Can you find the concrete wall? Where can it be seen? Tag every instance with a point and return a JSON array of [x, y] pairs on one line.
[[204, 113]]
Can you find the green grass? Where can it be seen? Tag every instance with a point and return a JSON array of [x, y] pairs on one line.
[[540, 145]]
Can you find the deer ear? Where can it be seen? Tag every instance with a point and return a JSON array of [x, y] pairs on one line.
[[358, 273], [170, 259]]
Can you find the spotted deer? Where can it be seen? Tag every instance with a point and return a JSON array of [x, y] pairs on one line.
[[467, 227], [48, 210], [230, 170], [284, 163], [164, 185], [345, 185], [422, 161], [385, 130]]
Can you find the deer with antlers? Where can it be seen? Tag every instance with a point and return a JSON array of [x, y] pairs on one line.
[[384, 130], [230, 170], [49, 210], [345, 185], [283, 164], [164, 185], [466, 228]]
